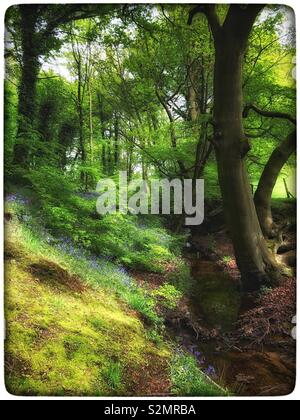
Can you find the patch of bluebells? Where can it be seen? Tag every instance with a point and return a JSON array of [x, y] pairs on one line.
[[210, 370], [22, 201], [17, 198], [199, 356], [103, 264], [128, 282]]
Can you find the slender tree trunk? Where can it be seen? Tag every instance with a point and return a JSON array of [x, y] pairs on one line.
[[27, 88], [172, 130], [193, 97], [80, 96], [110, 153], [81, 140], [254, 260], [117, 151], [91, 128], [144, 170], [263, 195], [104, 162], [130, 163]]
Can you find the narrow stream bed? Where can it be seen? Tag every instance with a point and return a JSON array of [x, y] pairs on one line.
[[217, 304]]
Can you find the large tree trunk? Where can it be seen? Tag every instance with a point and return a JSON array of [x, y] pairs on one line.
[[263, 195], [27, 88], [254, 260]]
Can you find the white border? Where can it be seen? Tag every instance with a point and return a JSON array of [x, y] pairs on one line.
[[4, 395]]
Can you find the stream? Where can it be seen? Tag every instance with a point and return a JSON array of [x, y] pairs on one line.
[[217, 304]]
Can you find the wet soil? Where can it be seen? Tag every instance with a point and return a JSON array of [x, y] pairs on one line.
[[213, 321], [247, 367]]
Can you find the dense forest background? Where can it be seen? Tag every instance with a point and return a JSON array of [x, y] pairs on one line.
[[109, 303]]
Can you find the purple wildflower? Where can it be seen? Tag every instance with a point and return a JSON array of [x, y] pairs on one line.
[[210, 371], [198, 354], [17, 198]]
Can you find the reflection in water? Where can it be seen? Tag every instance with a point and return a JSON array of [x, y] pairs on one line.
[[243, 372]]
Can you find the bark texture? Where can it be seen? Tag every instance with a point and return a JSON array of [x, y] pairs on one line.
[[263, 195], [254, 259], [27, 87]]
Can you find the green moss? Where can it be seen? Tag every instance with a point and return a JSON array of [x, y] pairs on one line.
[[66, 343], [72, 330], [219, 300]]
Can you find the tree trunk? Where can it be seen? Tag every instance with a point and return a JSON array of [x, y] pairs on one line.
[[91, 128], [104, 162], [81, 141], [27, 88], [117, 146], [254, 260], [263, 195], [130, 163]]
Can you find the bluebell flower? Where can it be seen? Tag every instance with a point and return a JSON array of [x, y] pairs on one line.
[[210, 371], [17, 198]]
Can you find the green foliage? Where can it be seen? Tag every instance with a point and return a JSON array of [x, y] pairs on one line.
[[141, 302], [10, 124], [264, 291], [167, 295], [227, 259], [189, 381], [113, 376], [126, 239], [181, 277], [118, 96], [154, 335], [82, 343]]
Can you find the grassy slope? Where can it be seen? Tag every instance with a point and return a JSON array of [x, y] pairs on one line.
[[64, 337], [68, 333]]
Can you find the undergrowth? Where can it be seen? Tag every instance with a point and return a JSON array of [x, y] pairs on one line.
[[78, 324]]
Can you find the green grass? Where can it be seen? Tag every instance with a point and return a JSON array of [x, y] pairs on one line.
[[167, 295], [114, 376], [188, 380], [79, 329], [136, 242], [62, 341]]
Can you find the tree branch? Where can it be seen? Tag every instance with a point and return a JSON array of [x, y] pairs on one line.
[[241, 17], [209, 10], [269, 114]]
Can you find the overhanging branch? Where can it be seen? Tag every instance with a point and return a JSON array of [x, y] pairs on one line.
[[268, 114]]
